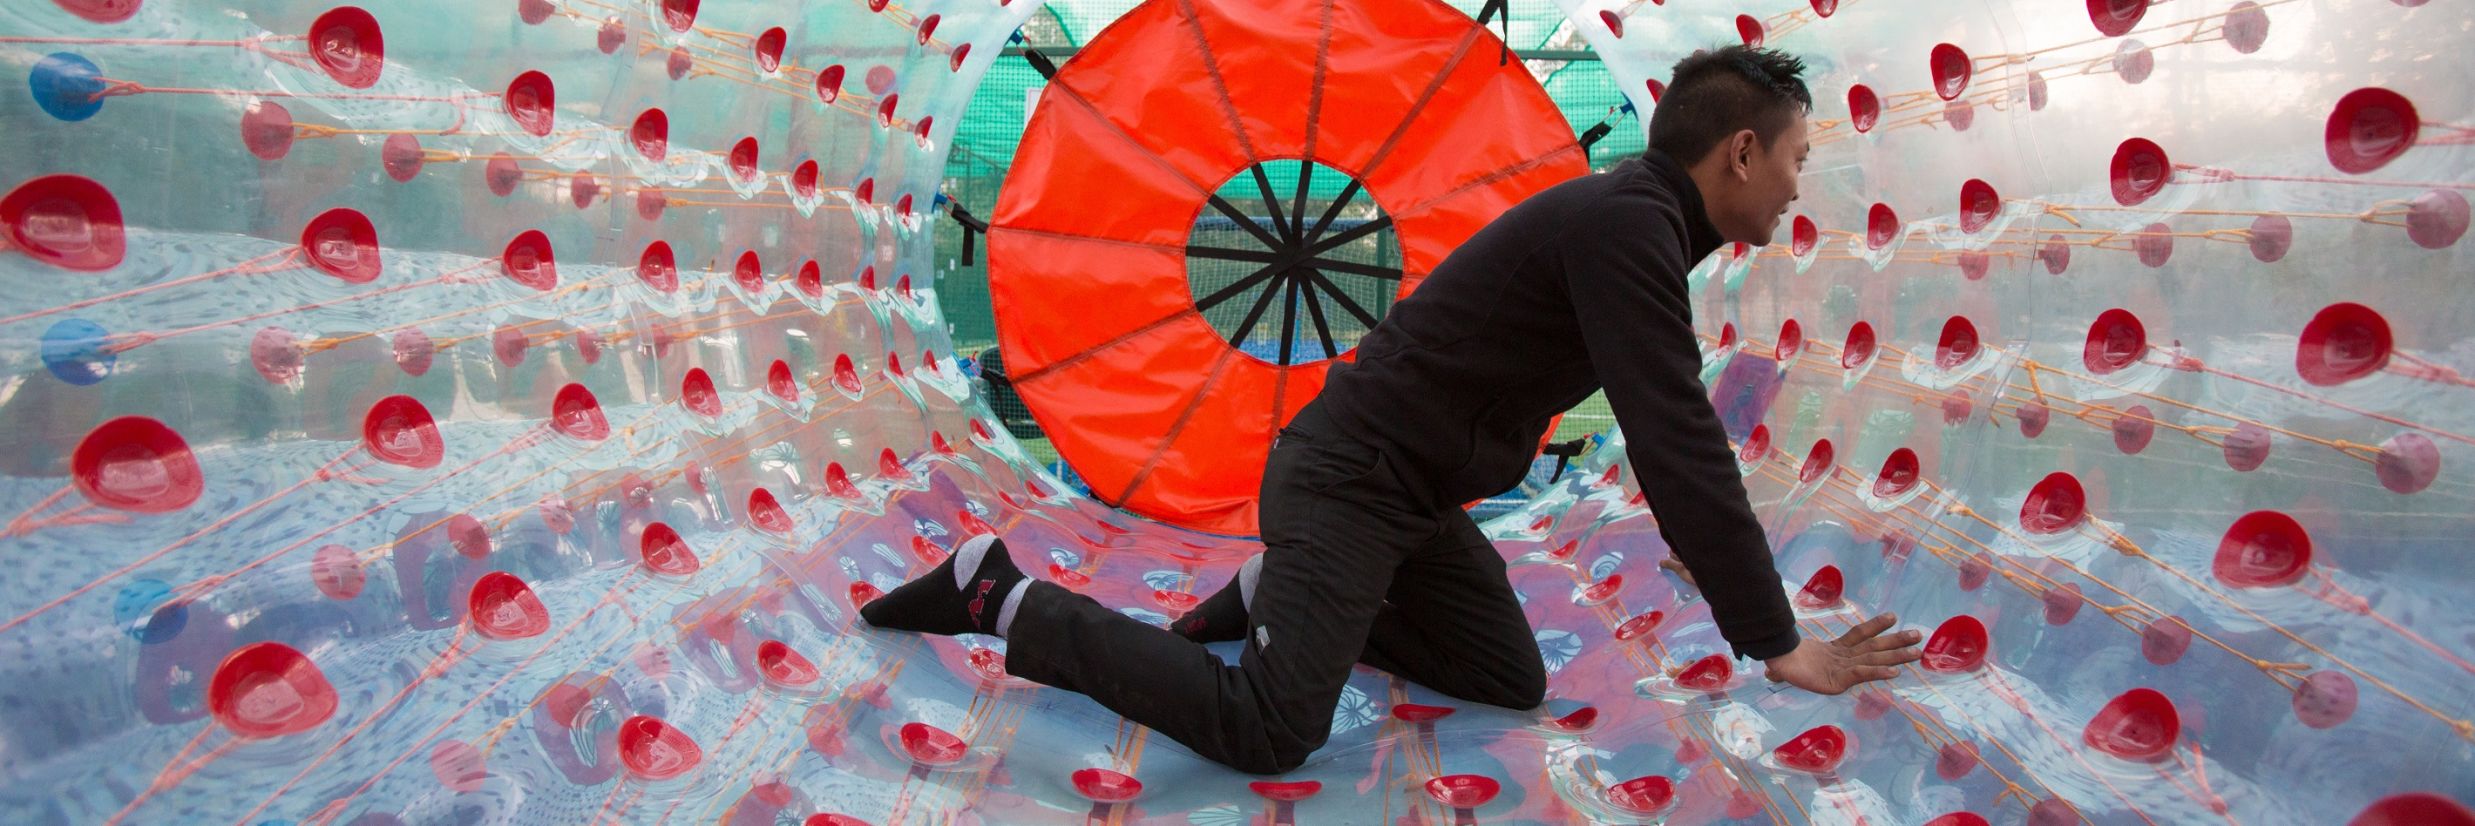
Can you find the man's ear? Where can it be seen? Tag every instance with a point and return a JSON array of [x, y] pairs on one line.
[[1740, 154]]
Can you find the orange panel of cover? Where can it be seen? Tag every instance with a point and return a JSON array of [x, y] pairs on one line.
[[1120, 283]]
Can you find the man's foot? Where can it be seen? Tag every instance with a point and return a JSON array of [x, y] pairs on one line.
[[1223, 615], [968, 594]]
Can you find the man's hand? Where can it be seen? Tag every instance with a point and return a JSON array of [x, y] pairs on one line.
[[1860, 656], [1676, 566]]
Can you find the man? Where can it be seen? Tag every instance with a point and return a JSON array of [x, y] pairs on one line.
[[1368, 556]]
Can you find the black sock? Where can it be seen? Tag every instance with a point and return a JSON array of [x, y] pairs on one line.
[[1221, 616], [933, 604]]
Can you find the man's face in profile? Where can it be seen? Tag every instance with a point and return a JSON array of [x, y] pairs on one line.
[[1776, 173]]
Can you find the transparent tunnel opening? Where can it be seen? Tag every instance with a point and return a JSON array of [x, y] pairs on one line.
[[1292, 261]]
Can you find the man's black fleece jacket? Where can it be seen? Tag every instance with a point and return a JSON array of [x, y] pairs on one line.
[[1578, 287]]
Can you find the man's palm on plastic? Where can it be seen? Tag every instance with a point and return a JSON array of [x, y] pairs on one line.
[[1862, 655]]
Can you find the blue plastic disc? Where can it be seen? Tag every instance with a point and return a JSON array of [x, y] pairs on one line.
[[67, 86], [73, 350]]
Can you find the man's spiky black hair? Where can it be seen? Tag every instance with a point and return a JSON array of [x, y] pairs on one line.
[[1716, 92]]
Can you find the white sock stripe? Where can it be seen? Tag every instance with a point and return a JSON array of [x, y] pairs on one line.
[[967, 558], [1247, 576], [1013, 600]]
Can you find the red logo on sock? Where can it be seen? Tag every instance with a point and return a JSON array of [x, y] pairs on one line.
[[978, 600]]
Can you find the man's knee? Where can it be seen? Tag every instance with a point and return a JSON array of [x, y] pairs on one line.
[[1530, 689], [1286, 761], [1524, 688], [1276, 756]]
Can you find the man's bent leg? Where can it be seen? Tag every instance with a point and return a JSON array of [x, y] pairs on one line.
[[1264, 715], [1453, 624], [1333, 535]]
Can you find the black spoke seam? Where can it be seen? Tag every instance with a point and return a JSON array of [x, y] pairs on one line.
[[1354, 233], [1236, 287], [1288, 320], [1243, 220], [1232, 254], [1271, 203], [1354, 268], [1342, 298], [1256, 314], [1314, 309], [1348, 194], [1306, 173]]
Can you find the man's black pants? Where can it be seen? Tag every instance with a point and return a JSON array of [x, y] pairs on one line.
[[1358, 567]]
